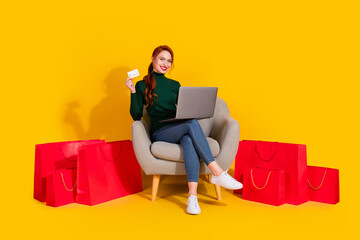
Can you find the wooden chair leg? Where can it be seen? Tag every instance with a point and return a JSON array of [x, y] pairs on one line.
[[208, 176], [155, 185], [218, 191], [217, 188]]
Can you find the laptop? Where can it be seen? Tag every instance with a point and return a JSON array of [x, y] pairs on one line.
[[195, 102]]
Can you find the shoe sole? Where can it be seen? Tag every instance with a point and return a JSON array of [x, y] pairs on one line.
[[194, 213], [227, 187]]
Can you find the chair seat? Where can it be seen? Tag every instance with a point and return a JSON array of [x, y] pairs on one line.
[[174, 152]]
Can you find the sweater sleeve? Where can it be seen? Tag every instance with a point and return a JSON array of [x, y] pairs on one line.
[[177, 92], [136, 105]]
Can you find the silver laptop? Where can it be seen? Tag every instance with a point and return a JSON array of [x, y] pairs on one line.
[[195, 102]]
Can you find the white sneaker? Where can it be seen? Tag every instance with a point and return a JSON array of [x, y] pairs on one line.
[[193, 205], [226, 181]]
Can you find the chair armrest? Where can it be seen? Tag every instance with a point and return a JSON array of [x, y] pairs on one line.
[[227, 132], [141, 143]]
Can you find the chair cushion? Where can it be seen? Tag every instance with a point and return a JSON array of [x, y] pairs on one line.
[[174, 152], [206, 125]]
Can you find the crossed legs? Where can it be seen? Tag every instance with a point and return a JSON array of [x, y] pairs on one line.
[[190, 135]]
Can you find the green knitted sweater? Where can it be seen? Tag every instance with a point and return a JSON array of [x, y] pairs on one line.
[[164, 107]]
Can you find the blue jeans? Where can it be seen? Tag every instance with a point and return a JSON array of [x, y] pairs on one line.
[[190, 135]]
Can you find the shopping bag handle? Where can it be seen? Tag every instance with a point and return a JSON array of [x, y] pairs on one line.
[[252, 180], [110, 160], [322, 181], [70, 190], [271, 157]]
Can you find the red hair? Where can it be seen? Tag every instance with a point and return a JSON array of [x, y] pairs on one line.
[[149, 79]]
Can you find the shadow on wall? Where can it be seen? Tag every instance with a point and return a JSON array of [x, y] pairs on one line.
[[109, 119]]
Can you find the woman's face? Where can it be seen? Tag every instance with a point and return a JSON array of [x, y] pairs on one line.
[[162, 62]]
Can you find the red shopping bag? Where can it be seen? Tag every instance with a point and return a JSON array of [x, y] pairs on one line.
[[274, 155], [61, 187], [323, 184], [264, 186], [107, 171], [50, 157]]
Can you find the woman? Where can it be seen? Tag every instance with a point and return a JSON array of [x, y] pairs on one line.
[[159, 95]]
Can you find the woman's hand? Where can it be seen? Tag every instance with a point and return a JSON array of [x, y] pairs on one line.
[[129, 83]]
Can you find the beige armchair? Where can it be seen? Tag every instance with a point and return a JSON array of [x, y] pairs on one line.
[[161, 158]]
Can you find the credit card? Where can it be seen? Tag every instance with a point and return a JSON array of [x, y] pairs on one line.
[[133, 73]]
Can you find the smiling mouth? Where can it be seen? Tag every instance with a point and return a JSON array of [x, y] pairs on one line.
[[163, 68]]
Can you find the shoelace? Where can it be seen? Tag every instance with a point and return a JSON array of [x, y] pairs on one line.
[[229, 179], [193, 202]]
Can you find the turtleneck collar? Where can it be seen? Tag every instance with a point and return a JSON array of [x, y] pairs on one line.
[[158, 75]]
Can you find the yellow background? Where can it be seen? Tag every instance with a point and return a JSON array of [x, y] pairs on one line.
[[288, 70]]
